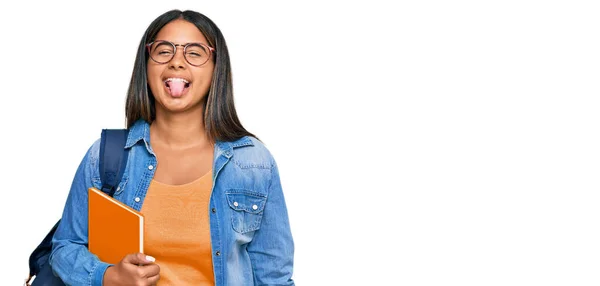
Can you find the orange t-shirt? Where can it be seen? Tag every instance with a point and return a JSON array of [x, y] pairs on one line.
[[177, 232]]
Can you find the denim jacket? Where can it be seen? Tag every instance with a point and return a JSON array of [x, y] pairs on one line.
[[250, 234]]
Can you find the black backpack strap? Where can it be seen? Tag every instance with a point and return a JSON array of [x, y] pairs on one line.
[[113, 158]]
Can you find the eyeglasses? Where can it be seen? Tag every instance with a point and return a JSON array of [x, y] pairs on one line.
[[195, 54]]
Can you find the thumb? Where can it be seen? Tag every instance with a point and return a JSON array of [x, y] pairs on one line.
[[139, 259]]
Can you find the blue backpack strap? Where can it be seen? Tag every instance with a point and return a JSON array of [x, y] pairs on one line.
[[113, 158]]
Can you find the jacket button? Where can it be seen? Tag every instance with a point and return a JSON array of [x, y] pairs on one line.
[[218, 253], [150, 167], [214, 210], [137, 199], [236, 204], [254, 207]]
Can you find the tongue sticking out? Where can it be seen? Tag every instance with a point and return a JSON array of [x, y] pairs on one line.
[[176, 87]]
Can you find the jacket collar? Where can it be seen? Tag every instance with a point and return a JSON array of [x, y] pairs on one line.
[[139, 131], [226, 148]]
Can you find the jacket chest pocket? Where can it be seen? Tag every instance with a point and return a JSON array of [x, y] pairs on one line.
[[247, 209]]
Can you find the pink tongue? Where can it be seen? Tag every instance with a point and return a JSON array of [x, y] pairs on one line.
[[176, 88]]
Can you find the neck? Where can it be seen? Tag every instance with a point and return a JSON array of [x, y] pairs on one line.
[[178, 131]]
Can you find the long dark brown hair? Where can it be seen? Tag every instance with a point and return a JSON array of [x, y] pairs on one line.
[[220, 118]]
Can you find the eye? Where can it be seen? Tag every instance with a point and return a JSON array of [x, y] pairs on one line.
[[162, 49], [164, 52], [194, 54], [196, 50]]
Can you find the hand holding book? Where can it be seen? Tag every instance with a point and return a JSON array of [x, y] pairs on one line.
[[133, 269]]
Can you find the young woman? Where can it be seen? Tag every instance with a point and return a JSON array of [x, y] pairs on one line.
[[209, 190]]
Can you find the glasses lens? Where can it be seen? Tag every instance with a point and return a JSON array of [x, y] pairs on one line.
[[162, 52], [197, 54]]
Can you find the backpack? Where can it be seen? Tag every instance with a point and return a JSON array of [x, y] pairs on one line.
[[113, 158]]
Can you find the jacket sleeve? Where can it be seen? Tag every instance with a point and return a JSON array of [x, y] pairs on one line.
[[70, 258], [272, 248]]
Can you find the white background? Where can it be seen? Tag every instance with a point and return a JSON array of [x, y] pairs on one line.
[[427, 143]]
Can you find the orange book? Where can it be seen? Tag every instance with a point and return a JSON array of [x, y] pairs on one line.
[[114, 229]]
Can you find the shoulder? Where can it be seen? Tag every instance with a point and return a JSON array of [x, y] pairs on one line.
[[92, 159], [249, 152], [88, 166], [93, 152]]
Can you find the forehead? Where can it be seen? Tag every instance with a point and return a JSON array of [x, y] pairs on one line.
[[180, 31]]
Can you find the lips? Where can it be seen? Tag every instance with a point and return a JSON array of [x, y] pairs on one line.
[[177, 86]]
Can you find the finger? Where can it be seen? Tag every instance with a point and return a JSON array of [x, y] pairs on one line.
[[154, 279], [149, 270], [139, 259]]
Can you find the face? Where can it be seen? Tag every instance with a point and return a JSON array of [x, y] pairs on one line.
[[177, 85]]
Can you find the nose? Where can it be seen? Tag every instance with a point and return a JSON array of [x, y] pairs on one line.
[[178, 60]]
